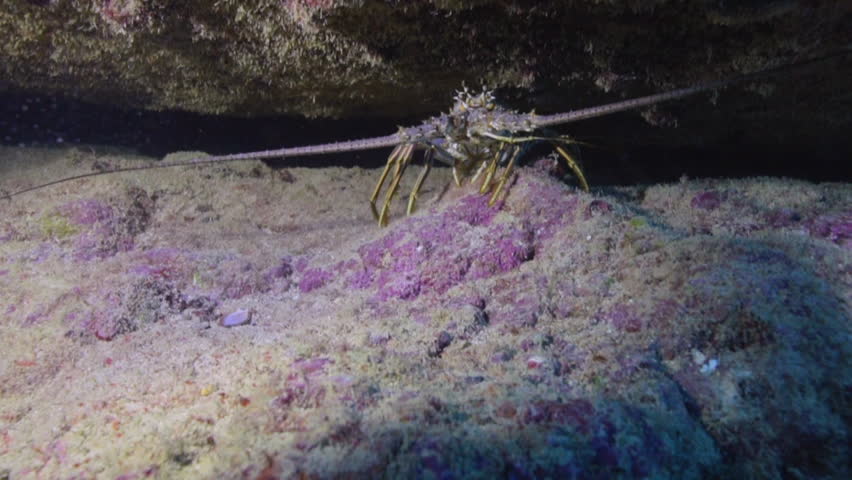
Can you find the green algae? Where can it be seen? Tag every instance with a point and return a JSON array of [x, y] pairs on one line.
[[56, 226]]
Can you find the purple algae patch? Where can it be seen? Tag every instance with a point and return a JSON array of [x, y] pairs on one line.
[[709, 200], [164, 263], [313, 365], [99, 244], [523, 312], [372, 254], [432, 254], [284, 269], [406, 288], [238, 278], [313, 278], [108, 231], [87, 212], [835, 227], [35, 317], [783, 217], [300, 265], [221, 276], [624, 318], [473, 210], [507, 250], [101, 240], [40, 253], [597, 208], [361, 279], [421, 264], [516, 302], [551, 207]]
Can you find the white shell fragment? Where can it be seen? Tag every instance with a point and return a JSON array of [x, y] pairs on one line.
[[237, 318]]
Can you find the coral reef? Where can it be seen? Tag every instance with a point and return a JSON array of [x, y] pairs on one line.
[[174, 325]]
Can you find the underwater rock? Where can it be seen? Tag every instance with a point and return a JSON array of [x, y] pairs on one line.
[[559, 334]]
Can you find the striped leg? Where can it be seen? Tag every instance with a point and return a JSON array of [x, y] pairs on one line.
[[555, 141], [399, 158], [573, 165], [507, 172], [492, 168], [412, 198], [402, 162]]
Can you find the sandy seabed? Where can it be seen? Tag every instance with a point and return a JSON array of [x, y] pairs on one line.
[[234, 321]]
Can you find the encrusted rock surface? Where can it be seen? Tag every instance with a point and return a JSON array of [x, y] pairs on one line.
[[691, 330], [347, 57]]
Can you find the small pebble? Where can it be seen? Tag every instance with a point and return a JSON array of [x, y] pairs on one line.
[[240, 317], [710, 366]]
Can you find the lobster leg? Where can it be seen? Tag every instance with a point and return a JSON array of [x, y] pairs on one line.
[[398, 158], [402, 160], [412, 198], [492, 168], [555, 141], [573, 165], [378, 189], [505, 176]]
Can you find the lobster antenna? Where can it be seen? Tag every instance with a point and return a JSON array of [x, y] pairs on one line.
[[352, 145], [610, 108]]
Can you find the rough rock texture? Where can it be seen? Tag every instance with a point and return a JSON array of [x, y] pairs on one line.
[[347, 57], [199, 323]]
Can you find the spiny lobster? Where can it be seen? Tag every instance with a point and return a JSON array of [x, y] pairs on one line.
[[476, 137]]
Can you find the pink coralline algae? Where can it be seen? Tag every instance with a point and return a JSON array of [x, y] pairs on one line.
[[106, 230], [310, 366], [133, 306], [835, 227], [474, 210], [165, 263], [439, 256], [237, 278], [431, 254], [302, 389], [709, 200], [520, 307], [577, 412], [782, 218], [220, 276], [283, 270], [314, 278], [546, 207], [87, 211], [98, 239], [625, 318], [506, 250], [597, 208]]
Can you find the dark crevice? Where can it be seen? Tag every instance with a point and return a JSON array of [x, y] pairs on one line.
[[624, 149]]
